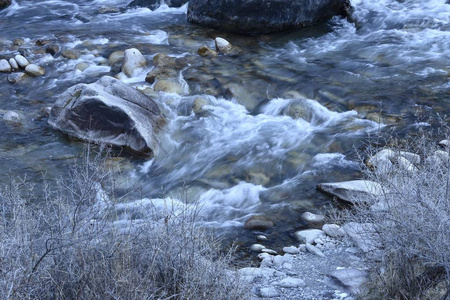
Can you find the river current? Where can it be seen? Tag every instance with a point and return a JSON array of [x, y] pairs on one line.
[[290, 111]]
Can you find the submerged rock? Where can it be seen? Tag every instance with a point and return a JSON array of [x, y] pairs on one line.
[[12, 118], [258, 223], [4, 3], [16, 77], [206, 52], [108, 111], [263, 16]]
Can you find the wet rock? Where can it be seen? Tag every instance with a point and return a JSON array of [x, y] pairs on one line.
[[199, 104], [333, 230], [81, 66], [71, 54], [12, 118], [116, 56], [53, 49], [350, 279], [223, 45], [4, 4], [354, 191], [204, 51], [164, 60], [5, 66], [269, 251], [34, 70], [18, 42], [258, 223], [257, 247], [169, 86], [309, 235], [13, 63], [132, 61], [21, 61], [262, 16], [108, 10], [82, 18], [160, 73], [16, 77], [42, 42], [312, 218], [109, 111]]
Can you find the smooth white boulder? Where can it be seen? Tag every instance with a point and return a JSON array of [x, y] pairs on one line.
[[133, 60]]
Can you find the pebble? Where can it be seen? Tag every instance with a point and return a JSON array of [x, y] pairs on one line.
[[445, 143], [257, 247], [291, 250], [312, 218], [261, 237], [71, 54], [308, 235], [21, 60], [223, 45], [269, 251], [13, 63], [204, 51], [4, 66], [34, 70]]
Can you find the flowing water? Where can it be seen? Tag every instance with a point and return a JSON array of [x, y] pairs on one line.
[[289, 111]]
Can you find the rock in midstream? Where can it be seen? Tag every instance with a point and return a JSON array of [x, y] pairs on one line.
[[263, 16], [109, 111]]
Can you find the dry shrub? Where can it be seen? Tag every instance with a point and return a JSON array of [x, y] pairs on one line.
[[74, 240], [411, 219]]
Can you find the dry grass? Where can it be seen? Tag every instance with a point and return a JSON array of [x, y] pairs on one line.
[[75, 241]]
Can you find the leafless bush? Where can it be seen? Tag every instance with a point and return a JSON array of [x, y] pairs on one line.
[[74, 240], [411, 219]]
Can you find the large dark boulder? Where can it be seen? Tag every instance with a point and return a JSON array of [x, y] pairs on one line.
[[108, 111], [4, 3], [263, 16], [154, 4]]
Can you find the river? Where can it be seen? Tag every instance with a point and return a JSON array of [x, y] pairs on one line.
[[290, 111]]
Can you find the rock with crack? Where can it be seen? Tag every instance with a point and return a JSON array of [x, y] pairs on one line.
[[109, 111]]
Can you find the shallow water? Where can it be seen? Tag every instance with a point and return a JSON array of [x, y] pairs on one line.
[[285, 114]]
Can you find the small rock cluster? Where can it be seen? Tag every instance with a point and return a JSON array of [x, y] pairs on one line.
[[321, 266], [21, 68]]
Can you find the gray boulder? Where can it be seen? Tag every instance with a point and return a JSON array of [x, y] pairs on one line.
[[263, 16], [108, 111], [354, 191], [4, 4]]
